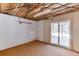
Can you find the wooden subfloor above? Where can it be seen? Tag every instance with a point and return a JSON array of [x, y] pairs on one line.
[[37, 48]]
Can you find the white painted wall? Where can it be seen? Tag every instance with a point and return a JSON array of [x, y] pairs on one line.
[[12, 33], [44, 28], [39, 32]]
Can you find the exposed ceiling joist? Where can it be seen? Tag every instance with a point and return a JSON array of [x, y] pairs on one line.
[[56, 13], [42, 10], [0, 7], [12, 8], [50, 11], [31, 9], [18, 9], [66, 12], [67, 9]]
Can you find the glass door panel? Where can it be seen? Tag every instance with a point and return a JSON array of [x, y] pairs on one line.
[[54, 33], [64, 34]]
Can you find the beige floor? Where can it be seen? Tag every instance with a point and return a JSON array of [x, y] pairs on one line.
[[37, 48]]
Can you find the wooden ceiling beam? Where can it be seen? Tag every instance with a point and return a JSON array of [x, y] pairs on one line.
[[54, 14], [17, 5], [56, 11], [55, 8], [34, 7], [59, 7], [31, 9], [0, 7], [66, 12], [18, 9], [64, 5], [63, 9], [42, 9], [68, 6], [13, 8]]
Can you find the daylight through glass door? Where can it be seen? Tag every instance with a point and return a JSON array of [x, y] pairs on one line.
[[60, 33]]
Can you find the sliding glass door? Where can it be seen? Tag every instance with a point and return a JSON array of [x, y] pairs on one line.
[[64, 33], [54, 33], [60, 33]]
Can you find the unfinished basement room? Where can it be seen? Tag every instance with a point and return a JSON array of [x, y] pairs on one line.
[[39, 29]]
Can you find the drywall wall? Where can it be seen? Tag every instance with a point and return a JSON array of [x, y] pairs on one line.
[[39, 31], [45, 29], [12, 33]]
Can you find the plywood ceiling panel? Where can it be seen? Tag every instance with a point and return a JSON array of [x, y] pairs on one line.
[[38, 11]]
